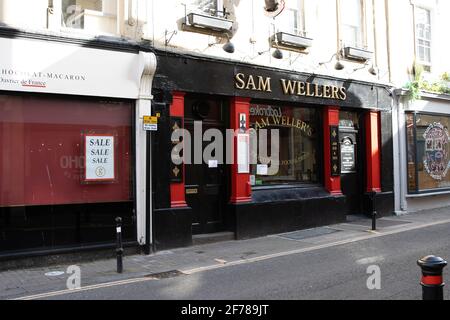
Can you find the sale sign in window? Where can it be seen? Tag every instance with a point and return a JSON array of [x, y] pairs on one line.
[[100, 164]]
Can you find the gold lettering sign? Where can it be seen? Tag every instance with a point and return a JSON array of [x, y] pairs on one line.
[[290, 87], [283, 121]]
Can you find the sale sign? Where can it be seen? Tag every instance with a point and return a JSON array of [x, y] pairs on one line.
[[99, 156]]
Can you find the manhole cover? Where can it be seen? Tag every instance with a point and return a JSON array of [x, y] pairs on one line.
[[310, 233], [165, 275]]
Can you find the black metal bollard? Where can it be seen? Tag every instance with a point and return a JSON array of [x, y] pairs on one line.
[[374, 220], [432, 281], [373, 195], [119, 249]]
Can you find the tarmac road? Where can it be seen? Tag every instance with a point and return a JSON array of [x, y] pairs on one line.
[[336, 273]]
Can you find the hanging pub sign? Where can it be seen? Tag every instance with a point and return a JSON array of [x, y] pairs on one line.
[[99, 158], [334, 151]]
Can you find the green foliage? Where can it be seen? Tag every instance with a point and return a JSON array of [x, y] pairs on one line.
[[445, 76], [418, 85]]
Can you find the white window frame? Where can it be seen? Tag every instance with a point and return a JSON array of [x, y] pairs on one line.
[[363, 28], [218, 8], [56, 24], [417, 38], [298, 8]]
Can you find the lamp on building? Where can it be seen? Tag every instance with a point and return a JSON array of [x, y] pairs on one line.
[[338, 65], [277, 54], [372, 70], [228, 47]]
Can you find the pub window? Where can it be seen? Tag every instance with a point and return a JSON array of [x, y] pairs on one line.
[[298, 145], [292, 20], [352, 23], [99, 16], [423, 36], [428, 152]]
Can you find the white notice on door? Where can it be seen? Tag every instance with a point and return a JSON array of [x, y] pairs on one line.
[[262, 169], [213, 163]]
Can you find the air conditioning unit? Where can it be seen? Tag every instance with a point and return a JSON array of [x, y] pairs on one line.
[[293, 41], [208, 22]]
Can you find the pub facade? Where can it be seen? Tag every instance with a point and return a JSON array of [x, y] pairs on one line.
[[335, 150]]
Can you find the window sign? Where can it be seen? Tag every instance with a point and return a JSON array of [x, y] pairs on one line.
[[428, 151], [100, 164], [436, 159], [297, 146]]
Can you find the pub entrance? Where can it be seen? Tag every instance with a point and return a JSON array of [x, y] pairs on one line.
[[207, 183], [352, 169]]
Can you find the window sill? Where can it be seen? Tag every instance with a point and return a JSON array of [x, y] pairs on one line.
[[425, 194]]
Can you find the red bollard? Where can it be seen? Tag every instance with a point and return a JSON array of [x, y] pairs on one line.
[[432, 280]]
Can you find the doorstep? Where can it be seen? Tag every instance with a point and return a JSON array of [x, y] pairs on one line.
[[212, 238]]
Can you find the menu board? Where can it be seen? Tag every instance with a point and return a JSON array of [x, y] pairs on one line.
[[348, 159]]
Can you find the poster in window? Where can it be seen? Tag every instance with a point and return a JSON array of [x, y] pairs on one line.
[[436, 159], [99, 158]]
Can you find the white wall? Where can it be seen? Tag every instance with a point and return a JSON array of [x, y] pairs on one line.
[[253, 28]]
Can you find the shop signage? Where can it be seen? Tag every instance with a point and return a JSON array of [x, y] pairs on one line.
[[289, 87], [50, 67], [348, 163], [99, 157], [266, 116], [436, 160], [334, 149], [150, 123]]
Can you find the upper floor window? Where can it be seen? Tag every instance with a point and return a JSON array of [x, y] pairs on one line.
[[96, 15], [211, 7], [423, 35], [292, 20], [352, 23]]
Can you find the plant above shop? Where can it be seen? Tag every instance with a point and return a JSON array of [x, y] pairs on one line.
[[419, 84]]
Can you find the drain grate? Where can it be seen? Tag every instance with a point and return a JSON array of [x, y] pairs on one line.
[[165, 274], [310, 233]]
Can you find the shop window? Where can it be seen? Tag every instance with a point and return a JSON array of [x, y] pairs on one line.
[[46, 200], [423, 36], [428, 150], [99, 16], [298, 145]]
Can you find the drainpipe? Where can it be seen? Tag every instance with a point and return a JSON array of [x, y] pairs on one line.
[[143, 192], [388, 38]]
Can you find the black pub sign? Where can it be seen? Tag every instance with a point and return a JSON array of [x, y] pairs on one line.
[[335, 152]]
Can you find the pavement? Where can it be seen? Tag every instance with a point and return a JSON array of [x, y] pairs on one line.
[[39, 282]]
